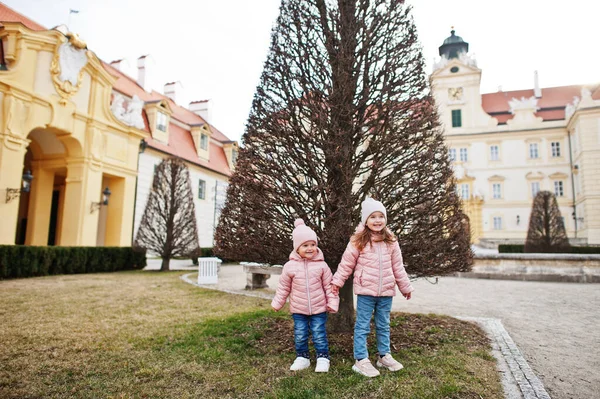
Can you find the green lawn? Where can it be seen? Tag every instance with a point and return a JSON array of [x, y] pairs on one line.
[[150, 335]]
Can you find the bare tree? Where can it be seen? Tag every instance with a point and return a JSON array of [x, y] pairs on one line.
[[343, 110], [546, 226], [168, 227]]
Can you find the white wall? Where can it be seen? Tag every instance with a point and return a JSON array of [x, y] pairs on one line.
[[205, 208]]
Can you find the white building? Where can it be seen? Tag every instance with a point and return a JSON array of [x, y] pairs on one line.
[[507, 146], [175, 131]]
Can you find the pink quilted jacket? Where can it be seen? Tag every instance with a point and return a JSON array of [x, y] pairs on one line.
[[308, 284], [378, 268]]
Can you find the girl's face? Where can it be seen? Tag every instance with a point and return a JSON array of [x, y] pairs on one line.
[[376, 222], [308, 249]]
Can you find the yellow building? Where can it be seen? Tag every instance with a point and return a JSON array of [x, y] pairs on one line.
[[507, 146], [72, 126]]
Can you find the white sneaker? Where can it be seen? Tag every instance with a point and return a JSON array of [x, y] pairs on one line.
[[389, 362], [300, 363], [365, 368], [322, 365]]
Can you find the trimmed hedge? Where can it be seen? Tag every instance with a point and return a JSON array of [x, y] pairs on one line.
[[519, 249], [17, 261], [511, 248]]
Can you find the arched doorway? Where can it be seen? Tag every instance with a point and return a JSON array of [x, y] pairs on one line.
[[41, 210]]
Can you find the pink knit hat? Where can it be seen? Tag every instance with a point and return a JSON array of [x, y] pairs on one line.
[[369, 206], [302, 233]]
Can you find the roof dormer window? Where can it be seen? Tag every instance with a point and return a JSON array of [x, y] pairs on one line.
[[161, 121], [204, 141]]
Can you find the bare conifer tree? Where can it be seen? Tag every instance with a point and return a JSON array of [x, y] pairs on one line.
[[546, 227], [343, 110], [168, 227]]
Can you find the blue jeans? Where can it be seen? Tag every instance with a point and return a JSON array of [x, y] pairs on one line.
[[365, 306], [316, 324]]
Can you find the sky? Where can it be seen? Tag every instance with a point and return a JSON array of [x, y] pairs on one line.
[[217, 48]]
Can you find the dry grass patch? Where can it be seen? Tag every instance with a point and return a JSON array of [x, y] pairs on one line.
[[149, 335]]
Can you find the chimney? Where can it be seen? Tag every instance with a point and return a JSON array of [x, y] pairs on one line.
[[202, 109], [537, 92], [145, 72], [173, 90], [117, 64]]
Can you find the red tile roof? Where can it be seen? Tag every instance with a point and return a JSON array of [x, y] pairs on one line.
[[7, 14], [551, 104], [181, 143]]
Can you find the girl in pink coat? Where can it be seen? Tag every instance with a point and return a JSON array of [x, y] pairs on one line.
[[374, 256], [306, 279]]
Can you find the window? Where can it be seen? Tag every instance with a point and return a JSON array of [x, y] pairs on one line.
[[535, 188], [494, 153], [555, 149], [234, 155], [497, 223], [204, 141], [558, 188], [456, 118], [161, 122], [463, 155], [201, 189], [533, 151], [452, 154], [496, 191], [464, 191]]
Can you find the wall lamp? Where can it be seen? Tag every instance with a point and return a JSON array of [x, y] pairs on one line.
[[12, 193], [518, 219], [105, 196], [143, 146]]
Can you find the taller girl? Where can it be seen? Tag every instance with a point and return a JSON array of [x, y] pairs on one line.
[[373, 254]]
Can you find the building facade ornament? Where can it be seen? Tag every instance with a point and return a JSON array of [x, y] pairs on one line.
[[524, 104], [570, 108], [468, 59], [130, 112], [70, 57]]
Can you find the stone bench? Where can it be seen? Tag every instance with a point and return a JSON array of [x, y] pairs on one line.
[[257, 274]]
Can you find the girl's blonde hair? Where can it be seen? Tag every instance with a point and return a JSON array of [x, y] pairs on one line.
[[364, 236]]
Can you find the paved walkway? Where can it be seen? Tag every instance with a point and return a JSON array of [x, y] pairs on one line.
[[555, 325]]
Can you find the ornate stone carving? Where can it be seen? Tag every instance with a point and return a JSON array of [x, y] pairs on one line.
[[130, 112], [70, 57], [570, 108], [442, 62], [468, 59], [16, 115], [524, 104]]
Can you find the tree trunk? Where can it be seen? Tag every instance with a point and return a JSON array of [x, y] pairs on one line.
[[164, 267], [343, 321]]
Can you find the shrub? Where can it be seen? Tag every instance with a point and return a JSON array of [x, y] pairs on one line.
[[515, 248], [27, 261], [511, 248]]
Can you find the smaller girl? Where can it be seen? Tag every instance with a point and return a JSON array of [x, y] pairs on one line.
[[306, 279], [373, 254]]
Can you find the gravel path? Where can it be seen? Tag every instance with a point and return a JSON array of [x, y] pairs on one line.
[[555, 325]]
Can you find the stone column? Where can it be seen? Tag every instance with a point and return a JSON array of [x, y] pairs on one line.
[[40, 205], [83, 186], [12, 154], [120, 211]]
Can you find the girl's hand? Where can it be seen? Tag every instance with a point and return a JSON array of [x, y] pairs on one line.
[[335, 289], [407, 295], [330, 310]]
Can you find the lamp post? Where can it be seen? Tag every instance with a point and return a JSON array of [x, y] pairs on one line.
[[12, 193], [143, 146]]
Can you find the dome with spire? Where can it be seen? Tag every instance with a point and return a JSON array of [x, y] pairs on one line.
[[453, 46]]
